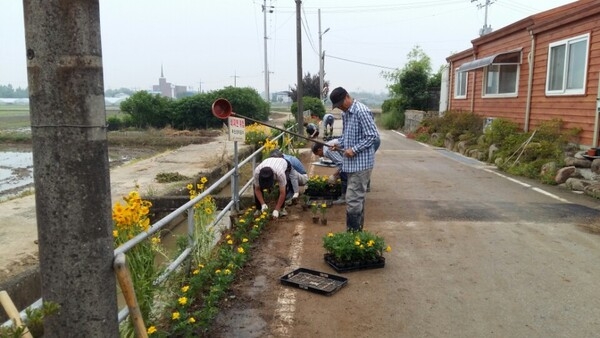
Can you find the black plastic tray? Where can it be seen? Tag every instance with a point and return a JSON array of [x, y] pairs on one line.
[[314, 281]]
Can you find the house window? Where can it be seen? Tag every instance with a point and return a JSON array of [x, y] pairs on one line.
[[567, 66], [501, 80], [460, 85]]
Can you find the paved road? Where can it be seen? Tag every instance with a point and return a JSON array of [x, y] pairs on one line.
[[475, 254]]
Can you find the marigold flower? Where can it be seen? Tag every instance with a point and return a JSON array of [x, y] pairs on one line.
[[185, 288], [240, 250], [200, 266], [182, 300], [175, 315], [324, 205], [330, 234], [242, 221], [230, 242], [192, 320], [203, 180], [189, 186], [218, 271], [244, 240], [357, 243], [155, 240], [388, 249], [208, 211], [152, 329], [115, 233], [195, 272], [370, 243], [227, 272]]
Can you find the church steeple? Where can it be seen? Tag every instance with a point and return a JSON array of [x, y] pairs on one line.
[[162, 74]]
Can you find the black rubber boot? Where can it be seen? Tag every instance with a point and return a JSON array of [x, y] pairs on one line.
[[353, 222]]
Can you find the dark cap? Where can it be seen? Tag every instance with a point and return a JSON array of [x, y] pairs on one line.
[[265, 178], [315, 147], [337, 96]]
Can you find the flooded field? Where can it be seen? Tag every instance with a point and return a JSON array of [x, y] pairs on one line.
[[16, 173]]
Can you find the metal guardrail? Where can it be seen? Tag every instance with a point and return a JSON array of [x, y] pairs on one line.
[[233, 175]]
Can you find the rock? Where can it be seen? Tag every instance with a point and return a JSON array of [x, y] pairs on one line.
[[492, 150], [578, 162], [577, 184], [547, 168], [564, 173], [595, 166], [593, 190]]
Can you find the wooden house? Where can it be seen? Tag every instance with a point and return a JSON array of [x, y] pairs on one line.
[[544, 67]]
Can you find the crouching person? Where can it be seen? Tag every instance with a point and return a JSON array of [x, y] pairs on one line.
[[266, 173]]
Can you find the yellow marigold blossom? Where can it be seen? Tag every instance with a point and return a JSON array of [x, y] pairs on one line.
[[208, 211], [175, 315], [330, 234], [218, 271], [244, 240], [242, 221], [152, 329], [115, 233], [200, 266], [370, 243], [255, 226], [203, 180], [357, 243], [182, 300], [228, 237], [185, 288], [230, 242], [195, 272], [227, 272], [362, 246], [155, 240], [388, 249], [189, 186], [240, 250], [324, 205], [192, 320]]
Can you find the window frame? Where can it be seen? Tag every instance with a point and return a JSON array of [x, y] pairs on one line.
[[460, 78], [486, 74], [567, 70]]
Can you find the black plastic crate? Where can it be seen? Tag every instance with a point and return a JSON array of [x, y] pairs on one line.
[[314, 281]]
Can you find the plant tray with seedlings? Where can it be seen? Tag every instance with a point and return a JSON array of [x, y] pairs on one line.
[[354, 266], [314, 281]]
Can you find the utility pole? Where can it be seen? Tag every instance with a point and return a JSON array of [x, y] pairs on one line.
[[200, 86], [234, 76], [321, 57], [300, 86], [486, 29], [264, 8], [72, 175]]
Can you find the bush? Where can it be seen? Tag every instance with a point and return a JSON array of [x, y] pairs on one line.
[[313, 104]]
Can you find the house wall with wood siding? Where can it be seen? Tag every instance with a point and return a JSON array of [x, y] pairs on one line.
[[576, 111]]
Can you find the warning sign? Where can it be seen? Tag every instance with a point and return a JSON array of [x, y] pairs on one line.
[[237, 131]]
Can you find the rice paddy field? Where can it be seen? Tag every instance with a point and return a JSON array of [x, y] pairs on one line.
[[13, 117]]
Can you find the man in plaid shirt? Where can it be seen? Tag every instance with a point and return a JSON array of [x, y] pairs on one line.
[[358, 136]]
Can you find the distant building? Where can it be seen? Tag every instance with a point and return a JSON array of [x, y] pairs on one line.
[[168, 89]]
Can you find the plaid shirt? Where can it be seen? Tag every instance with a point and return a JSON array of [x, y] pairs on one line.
[[358, 132], [335, 156]]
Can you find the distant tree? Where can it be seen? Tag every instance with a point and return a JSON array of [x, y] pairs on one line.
[[413, 87], [147, 110], [310, 87], [9, 92], [315, 105]]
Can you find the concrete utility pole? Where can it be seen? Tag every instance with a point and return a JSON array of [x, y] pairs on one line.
[[486, 29], [321, 58], [70, 157], [270, 10], [300, 86]]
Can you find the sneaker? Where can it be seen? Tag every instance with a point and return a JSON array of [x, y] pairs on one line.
[[283, 212], [340, 200]]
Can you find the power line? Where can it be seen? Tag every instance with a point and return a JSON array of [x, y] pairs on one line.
[[360, 62]]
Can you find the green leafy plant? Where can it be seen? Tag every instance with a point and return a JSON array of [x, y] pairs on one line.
[[319, 185], [34, 321], [355, 246]]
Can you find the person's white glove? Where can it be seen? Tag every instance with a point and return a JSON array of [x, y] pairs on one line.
[[264, 208], [275, 214], [331, 179], [295, 195]]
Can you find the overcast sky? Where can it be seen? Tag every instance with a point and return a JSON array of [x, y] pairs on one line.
[[210, 44]]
